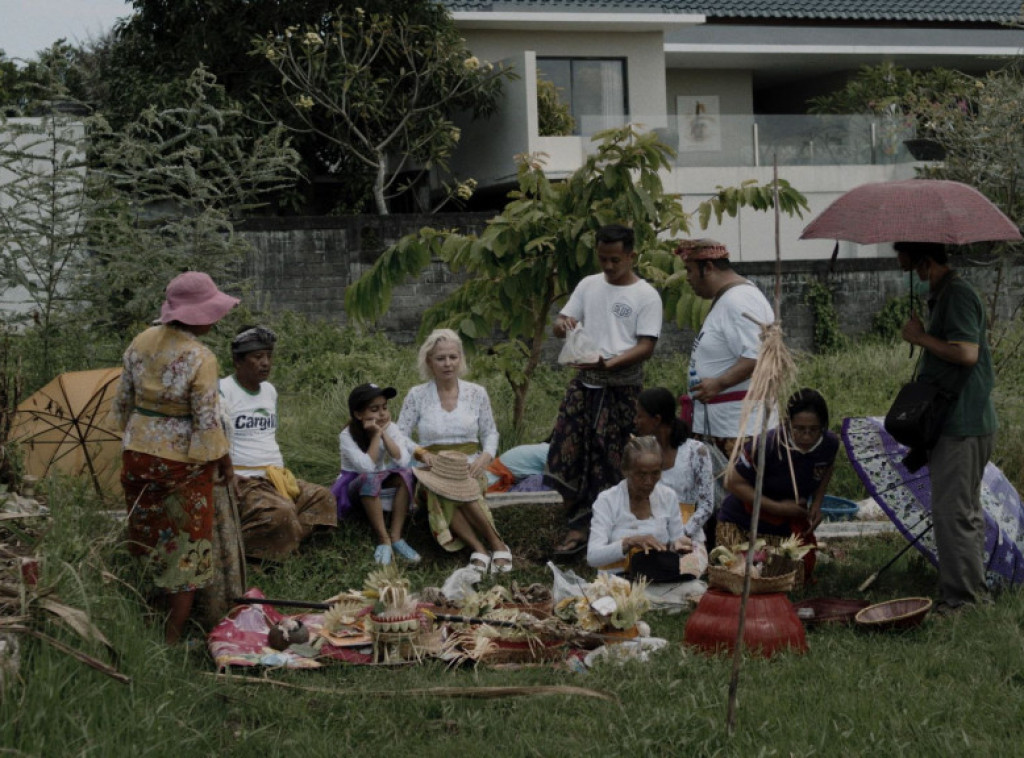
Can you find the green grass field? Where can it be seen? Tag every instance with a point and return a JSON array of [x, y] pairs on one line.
[[950, 687]]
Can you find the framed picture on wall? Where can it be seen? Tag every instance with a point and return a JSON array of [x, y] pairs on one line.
[[700, 127]]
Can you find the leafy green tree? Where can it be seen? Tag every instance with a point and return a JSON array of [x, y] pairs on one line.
[[977, 121], [554, 117], [151, 54], [382, 90], [173, 185], [530, 257], [888, 88], [10, 98]]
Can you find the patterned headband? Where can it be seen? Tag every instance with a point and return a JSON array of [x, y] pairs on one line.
[[251, 340], [701, 250]]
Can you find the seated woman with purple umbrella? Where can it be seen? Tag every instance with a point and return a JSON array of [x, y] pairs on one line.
[[791, 498]]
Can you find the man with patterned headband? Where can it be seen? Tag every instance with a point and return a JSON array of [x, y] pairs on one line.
[[725, 350], [277, 511]]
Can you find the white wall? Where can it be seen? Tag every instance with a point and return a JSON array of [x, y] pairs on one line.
[[751, 235], [643, 51], [487, 148], [735, 93]]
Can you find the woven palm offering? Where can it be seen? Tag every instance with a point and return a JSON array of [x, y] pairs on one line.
[[775, 568], [395, 621], [609, 608], [504, 626]]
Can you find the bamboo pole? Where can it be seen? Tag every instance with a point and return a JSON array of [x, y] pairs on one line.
[[737, 653], [778, 244], [737, 658]]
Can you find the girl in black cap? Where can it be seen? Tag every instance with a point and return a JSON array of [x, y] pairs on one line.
[[375, 458]]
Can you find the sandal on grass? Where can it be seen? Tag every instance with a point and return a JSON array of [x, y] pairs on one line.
[[505, 556], [480, 561], [404, 549], [382, 555], [572, 545]]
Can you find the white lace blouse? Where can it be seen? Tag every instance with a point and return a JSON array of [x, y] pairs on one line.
[[471, 420], [692, 479]]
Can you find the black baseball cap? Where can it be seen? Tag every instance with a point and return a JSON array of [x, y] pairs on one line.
[[361, 396]]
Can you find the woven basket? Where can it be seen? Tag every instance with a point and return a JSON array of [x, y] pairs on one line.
[[720, 578]]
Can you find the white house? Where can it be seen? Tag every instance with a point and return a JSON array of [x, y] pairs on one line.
[[726, 83]]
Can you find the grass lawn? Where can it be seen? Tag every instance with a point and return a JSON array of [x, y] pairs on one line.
[[952, 686]]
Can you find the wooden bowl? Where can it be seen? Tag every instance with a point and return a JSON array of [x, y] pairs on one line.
[[902, 613], [822, 611]]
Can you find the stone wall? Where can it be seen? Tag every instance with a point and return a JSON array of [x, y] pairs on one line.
[[305, 265]]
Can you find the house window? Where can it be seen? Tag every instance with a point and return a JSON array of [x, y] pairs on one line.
[[593, 88]]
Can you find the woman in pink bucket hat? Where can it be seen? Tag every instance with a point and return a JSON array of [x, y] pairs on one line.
[[167, 406]]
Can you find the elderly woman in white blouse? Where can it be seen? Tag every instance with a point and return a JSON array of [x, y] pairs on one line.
[[449, 413], [639, 513], [686, 466]]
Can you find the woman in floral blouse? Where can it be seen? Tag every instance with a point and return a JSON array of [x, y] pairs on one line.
[[448, 413], [166, 404]]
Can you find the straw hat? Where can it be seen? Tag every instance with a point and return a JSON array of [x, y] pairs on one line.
[[449, 477], [193, 299]]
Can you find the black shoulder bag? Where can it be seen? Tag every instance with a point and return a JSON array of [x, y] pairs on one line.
[[919, 413]]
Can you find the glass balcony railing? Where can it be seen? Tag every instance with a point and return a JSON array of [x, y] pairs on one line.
[[758, 140]]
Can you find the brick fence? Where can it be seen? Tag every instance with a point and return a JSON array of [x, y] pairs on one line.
[[305, 264]]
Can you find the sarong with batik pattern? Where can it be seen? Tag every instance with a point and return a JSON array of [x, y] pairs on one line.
[[170, 518], [590, 435]]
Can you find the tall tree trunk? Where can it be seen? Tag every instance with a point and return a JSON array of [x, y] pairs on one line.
[[378, 183], [536, 343]]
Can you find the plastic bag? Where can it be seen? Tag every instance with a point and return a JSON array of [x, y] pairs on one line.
[[565, 584], [579, 347], [461, 583]]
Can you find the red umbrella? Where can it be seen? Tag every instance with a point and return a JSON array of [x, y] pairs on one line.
[[916, 210]]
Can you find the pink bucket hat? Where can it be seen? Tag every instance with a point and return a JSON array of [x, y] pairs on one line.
[[193, 299]]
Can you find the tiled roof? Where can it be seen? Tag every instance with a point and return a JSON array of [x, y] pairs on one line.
[[975, 11]]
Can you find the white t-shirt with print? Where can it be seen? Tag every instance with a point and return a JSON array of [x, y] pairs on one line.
[[615, 316], [251, 420], [724, 338]]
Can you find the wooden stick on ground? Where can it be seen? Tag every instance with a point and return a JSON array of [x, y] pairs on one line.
[[470, 692], [88, 660]]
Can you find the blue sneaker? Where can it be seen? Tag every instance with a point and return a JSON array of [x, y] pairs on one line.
[[405, 550], [382, 555]]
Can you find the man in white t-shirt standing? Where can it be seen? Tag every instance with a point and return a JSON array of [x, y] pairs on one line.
[[724, 352], [277, 511], [622, 315]]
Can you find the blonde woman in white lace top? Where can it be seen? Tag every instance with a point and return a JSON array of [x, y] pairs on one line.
[[449, 413]]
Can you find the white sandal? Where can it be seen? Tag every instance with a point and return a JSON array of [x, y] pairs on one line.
[[480, 562], [501, 555]]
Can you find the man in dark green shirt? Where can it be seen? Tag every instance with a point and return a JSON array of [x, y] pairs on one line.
[[956, 355]]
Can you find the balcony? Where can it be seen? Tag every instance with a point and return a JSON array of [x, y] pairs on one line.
[[755, 140]]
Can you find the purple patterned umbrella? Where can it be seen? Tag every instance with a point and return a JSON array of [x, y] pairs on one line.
[[906, 497]]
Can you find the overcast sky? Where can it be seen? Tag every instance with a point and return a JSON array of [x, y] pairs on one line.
[[28, 26]]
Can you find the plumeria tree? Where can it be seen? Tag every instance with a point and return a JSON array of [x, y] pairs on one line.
[[382, 89], [530, 257]]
